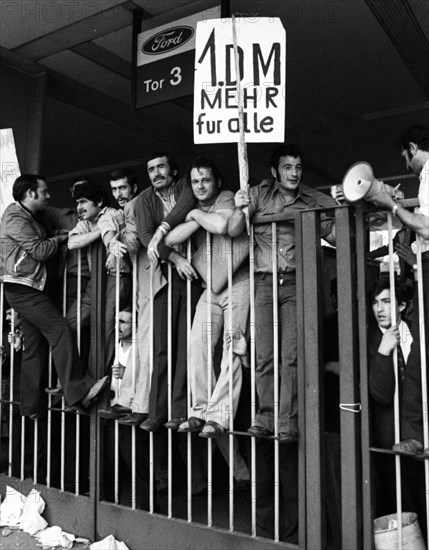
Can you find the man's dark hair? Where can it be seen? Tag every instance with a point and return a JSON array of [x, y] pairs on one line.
[[383, 283], [80, 180], [171, 162], [204, 162], [25, 182], [92, 191], [284, 150], [124, 173], [415, 134]]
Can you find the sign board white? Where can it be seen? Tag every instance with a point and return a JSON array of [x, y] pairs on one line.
[[9, 168], [165, 59], [262, 66]]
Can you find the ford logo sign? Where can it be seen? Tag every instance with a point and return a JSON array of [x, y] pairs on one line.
[[167, 40]]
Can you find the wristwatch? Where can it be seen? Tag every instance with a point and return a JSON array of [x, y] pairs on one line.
[[395, 208]]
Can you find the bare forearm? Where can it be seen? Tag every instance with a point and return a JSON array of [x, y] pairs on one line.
[[213, 222], [417, 222], [236, 222], [181, 233]]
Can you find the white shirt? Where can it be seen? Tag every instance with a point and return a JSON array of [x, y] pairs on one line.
[[405, 339], [423, 197]]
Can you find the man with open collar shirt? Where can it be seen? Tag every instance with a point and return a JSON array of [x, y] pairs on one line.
[[165, 204], [280, 194]]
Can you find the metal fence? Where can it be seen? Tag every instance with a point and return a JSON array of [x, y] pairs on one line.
[[100, 477]]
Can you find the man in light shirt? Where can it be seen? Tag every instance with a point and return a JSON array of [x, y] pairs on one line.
[[414, 144]]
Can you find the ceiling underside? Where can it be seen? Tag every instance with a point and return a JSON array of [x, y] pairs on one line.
[[357, 74]]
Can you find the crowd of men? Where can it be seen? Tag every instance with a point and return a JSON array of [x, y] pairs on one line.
[[181, 290]]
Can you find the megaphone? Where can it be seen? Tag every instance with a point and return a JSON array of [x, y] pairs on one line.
[[360, 183]]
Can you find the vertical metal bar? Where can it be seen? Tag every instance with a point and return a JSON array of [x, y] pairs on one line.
[[276, 380], [230, 383], [151, 469], [49, 431], [188, 387], [367, 489], [79, 337], [62, 436], [423, 365], [302, 502], [209, 376], [117, 285], [97, 366], [22, 472], [395, 370], [134, 366], [11, 375], [170, 388], [35, 446], [315, 494], [1, 362], [350, 456], [252, 374]]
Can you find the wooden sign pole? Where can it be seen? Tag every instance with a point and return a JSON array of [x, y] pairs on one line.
[[243, 163]]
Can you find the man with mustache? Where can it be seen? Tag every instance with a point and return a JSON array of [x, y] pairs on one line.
[[25, 250], [158, 209], [97, 220]]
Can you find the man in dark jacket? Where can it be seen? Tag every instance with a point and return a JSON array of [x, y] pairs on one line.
[[25, 250], [154, 208], [384, 338]]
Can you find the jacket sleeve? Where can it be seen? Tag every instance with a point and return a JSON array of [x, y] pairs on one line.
[[381, 376], [145, 219], [129, 234], [22, 230], [185, 203]]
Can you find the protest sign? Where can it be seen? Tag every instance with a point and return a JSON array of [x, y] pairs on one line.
[[261, 50], [9, 168]]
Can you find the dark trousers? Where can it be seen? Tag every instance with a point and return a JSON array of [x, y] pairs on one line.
[[158, 399], [288, 474], [110, 312], [41, 323], [411, 412], [288, 398]]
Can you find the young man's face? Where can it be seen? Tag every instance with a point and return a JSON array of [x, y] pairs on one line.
[[125, 324], [204, 185], [381, 307], [122, 191], [160, 174], [288, 173], [41, 197], [87, 210]]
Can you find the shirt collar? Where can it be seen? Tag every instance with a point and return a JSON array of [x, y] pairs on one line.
[[169, 193], [301, 194]]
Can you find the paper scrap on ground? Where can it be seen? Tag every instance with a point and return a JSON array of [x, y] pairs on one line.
[[55, 536], [109, 543], [11, 507], [31, 520]]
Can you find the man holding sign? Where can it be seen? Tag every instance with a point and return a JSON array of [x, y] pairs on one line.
[[281, 194]]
